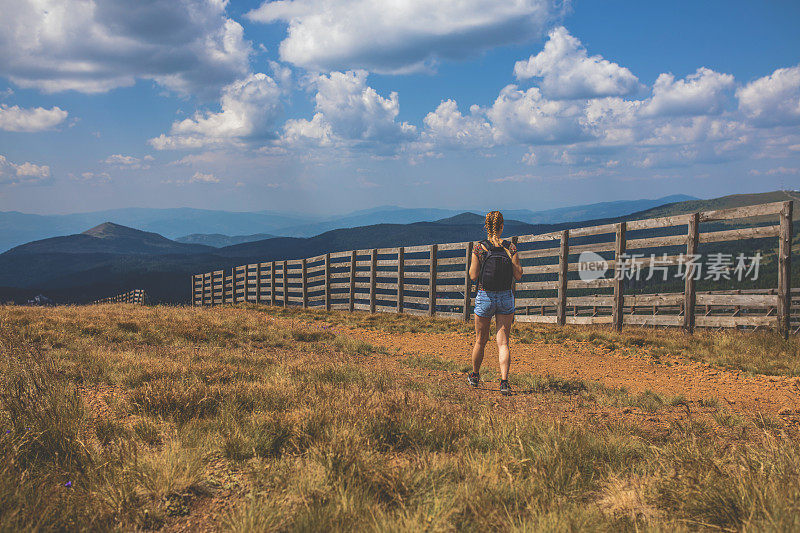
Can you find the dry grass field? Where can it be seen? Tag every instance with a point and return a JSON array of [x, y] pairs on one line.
[[254, 418]]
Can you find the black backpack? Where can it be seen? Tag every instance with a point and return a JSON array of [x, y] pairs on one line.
[[497, 270]]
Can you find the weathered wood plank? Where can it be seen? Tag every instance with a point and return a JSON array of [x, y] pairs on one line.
[[590, 301], [585, 320], [654, 299], [592, 284], [537, 285], [742, 300], [653, 320], [552, 236], [451, 246], [656, 242], [449, 275], [547, 319], [544, 252], [660, 222], [535, 302], [742, 212], [735, 321], [741, 234], [545, 269], [449, 261]]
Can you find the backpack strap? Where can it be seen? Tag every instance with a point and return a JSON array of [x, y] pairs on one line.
[[483, 263]]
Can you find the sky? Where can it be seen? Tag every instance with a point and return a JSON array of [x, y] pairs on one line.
[[330, 106]]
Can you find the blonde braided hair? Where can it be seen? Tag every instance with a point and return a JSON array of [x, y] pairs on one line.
[[494, 221]]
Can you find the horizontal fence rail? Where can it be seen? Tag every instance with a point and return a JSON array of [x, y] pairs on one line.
[[135, 296], [433, 280]]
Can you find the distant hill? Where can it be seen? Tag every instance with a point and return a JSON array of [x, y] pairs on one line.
[[592, 211], [218, 240], [109, 238], [723, 202]]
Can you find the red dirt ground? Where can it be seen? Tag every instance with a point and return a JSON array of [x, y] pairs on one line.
[[618, 368]]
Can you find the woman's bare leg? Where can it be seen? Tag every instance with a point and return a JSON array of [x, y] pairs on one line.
[[481, 338], [504, 323]]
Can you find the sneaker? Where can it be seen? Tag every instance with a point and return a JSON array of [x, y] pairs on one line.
[[505, 388], [474, 378]]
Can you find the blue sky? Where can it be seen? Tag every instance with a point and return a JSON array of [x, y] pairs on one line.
[[328, 106]]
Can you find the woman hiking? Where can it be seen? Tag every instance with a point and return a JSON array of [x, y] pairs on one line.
[[494, 263]]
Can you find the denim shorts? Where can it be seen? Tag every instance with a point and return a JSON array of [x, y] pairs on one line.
[[489, 303]]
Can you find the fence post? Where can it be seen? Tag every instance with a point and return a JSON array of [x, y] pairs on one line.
[[785, 270], [400, 275], [563, 263], [373, 274], [272, 283], [258, 283], [467, 282], [432, 282], [513, 279], [618, 309], [285, 283], [352, 280], [328, 282], [304, 281], [233, 286], [689, 294], [194, 289]]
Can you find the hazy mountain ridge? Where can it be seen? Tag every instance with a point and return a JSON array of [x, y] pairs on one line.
[[20, 228], [218, 240]]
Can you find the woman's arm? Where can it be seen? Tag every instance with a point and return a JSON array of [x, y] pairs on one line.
[[475, 262], [512, 252]]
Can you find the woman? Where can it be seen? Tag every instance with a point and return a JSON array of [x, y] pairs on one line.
[[494, 262]]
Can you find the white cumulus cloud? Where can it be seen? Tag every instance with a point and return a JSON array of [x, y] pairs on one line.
[[189, 46], [527, 117], [701, 93], [15, 118], [349, 110], [250, 108], [773, 100], [391, 37], [447, 126], [567, 71], [22, 173]]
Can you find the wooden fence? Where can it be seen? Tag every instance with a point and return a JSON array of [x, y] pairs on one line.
[[135, 296], [434, 280]]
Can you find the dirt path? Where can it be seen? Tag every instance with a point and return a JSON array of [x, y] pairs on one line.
[[619, 368]]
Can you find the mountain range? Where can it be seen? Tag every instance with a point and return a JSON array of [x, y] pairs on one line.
[[111, 258], [223, 228]]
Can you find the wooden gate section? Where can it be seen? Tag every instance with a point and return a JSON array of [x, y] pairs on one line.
[[557, 287]]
